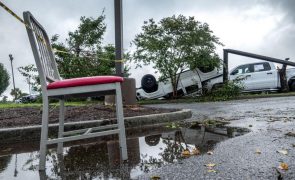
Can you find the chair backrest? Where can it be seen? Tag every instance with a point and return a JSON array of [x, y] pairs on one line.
[[42, 51]]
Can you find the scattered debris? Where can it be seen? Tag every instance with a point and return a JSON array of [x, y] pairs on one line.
[[283, 166], [210, 165], [258, 151], [290, 134], [211, 170], [196, 151], [285, 152], [210, 152], [186, 153], [155, 177]]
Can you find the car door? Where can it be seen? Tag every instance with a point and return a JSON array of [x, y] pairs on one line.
[[263, 76], [243, 72]]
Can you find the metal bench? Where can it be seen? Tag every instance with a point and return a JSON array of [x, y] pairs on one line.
[[54, 87]]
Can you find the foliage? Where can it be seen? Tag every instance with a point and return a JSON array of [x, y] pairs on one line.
[[228, 90], [31, 76], [4, 79], [17, 93], [87, 57], [175, 44], [4, 99]]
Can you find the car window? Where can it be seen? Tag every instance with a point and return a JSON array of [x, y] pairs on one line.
[[242, 69], [266, 66], [261, 67]]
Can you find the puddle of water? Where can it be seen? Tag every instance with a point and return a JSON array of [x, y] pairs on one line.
[[148, 148]]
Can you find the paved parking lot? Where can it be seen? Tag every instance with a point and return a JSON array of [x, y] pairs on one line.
[[269, 120]]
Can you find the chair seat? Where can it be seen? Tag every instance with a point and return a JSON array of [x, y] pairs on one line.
[[85, 81]]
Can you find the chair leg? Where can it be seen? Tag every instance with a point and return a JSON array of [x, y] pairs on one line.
[[61, 124], [44, 134], [120, 119]]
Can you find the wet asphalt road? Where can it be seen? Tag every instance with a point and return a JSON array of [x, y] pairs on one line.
[[269, 119]]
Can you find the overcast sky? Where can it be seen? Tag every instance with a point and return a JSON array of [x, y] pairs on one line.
[[265, 27]]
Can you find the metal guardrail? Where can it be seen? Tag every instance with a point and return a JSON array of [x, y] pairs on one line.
[[250, 55]]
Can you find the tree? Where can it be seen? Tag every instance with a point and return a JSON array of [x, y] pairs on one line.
[[17, 93], [87, 56], [4, 79], [31, 76], [175, 44]]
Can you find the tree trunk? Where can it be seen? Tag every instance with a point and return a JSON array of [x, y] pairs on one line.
[[174, 90], [283, 78]]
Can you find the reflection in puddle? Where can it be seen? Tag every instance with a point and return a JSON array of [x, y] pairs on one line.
[[99, 158]]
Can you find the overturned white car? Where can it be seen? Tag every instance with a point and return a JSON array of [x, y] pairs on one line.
[[190, 82]]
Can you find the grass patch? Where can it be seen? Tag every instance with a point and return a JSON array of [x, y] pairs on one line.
[[14, 105], [264, 95], [206, 99]]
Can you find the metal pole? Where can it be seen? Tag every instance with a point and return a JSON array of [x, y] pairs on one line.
[[225, 65], [119, 37], [257, 56], [11, 58]]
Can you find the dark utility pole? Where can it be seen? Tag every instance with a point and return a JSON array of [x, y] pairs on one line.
[[225, 66], [11, 58], [119, 37]]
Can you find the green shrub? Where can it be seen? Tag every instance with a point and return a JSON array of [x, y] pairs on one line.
[[226, 91]]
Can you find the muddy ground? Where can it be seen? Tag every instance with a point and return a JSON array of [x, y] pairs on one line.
[[18, 117]]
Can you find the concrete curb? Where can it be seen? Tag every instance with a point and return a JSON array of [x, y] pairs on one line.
[[29, 133]]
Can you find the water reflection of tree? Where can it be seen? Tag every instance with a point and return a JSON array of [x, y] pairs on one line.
[[87, 162], [171, 153], [4, 161], [79, 162], [174, 147]]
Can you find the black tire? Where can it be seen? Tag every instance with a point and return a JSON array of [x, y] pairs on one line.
[[149, 83], [152, 140], [292, 85]]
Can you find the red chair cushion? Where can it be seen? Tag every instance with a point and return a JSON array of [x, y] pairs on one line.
[[85, 81]]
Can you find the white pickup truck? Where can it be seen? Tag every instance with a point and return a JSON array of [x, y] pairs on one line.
[[190, 82], [259, 76]]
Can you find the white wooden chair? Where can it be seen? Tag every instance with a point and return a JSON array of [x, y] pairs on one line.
[[54, 87]]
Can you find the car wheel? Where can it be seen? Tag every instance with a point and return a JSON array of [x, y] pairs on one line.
[[152, 140], [149, 83], [292, 86]]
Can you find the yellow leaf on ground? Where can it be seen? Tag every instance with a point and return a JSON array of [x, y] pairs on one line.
[[285, 152], [210, 165], [195, 151], [210, 152], [258, 151], [155, 177], [284, 166], [211, 170], [186, 152]]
